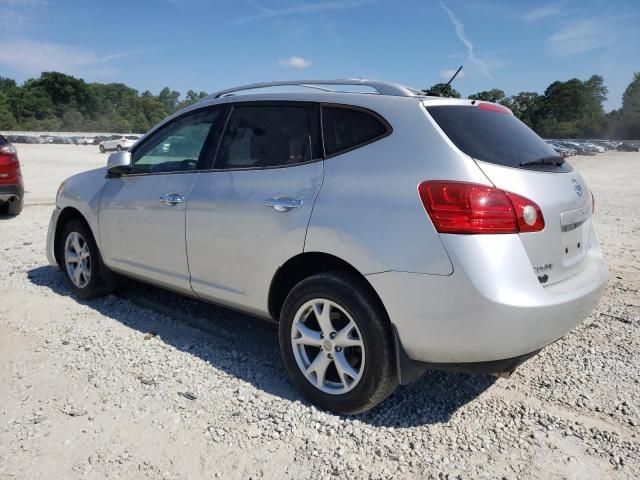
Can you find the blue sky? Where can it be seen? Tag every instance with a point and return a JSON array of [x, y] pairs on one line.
[[213, 44]]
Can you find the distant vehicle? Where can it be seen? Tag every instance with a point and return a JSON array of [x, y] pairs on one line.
[[11, 183], [83, 140], [628, 147], [118, 143], [562, 150], [388, 233], [597, 148], [61, 141], [580, 148], [99, 139]]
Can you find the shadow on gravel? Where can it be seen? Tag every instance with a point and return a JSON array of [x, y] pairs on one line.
[[247, 348]]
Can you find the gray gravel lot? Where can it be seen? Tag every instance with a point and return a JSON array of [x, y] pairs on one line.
[[123, 387]]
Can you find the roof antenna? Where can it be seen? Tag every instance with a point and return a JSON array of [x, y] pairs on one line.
[[443, 89]]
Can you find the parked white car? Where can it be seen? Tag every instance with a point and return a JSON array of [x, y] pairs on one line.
[[118, 143]]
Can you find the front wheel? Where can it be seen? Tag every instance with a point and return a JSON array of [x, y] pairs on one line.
[[80, 261], [118, 148], [336, 343], [102, 150]]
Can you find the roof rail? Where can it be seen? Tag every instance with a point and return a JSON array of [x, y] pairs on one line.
[[383, 88]]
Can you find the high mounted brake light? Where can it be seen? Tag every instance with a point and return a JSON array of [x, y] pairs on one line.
[[492, 107], [469, 208]]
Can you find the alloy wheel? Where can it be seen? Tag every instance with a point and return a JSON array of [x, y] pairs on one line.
[[328, 346], [77, 259]]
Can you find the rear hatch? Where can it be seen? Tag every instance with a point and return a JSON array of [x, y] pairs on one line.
[[515, 159]]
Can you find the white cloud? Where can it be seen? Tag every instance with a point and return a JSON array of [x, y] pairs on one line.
[[582, 36], [31, 57], [24, 3], [447, 74], [304, 8], [295, 62], [482, 66], [542, 12], [16, 15]]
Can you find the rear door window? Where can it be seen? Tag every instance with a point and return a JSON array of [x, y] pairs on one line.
[[494, 136], [2, 140], [261, 136], [347, 128]]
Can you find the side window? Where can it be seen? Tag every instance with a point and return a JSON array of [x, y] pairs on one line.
[[260, 136], [346, 128], [177, 146]]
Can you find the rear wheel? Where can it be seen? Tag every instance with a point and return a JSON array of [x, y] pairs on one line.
[[81, 262], [336, 343], [102, 150], [118, 148], [12, 208]]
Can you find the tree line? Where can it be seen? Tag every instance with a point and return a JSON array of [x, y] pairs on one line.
[[59, 102], [571, 109]]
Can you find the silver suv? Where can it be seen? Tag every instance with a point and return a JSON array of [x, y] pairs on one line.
[[387, 233]]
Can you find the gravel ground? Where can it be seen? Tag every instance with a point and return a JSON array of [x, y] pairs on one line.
[[126, 387]]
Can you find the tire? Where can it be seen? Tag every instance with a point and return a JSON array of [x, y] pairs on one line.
[[118, 148], [14, 208], [367, 348], [90, 283], [102, 150]]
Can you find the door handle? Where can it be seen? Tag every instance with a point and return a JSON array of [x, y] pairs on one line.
[[172, 199], [283, 204]]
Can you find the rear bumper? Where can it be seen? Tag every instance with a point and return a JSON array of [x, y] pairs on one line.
[[491, 308], [10, 191]]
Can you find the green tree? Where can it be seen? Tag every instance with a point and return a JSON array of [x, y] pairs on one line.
[[494, 95], [522, 105], [625, 122], [169, 98], [439, 90]]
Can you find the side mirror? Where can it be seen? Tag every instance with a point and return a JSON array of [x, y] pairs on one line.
[[119, 163]]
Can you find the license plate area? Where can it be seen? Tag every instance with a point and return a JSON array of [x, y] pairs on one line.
[[575, 243]]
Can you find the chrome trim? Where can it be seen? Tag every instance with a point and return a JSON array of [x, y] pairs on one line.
[[172, 199], [283, 204]]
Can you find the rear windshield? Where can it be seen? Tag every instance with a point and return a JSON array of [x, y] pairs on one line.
[[494, 137]]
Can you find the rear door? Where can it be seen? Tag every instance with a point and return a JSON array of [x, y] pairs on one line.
[[249, 215], [517, 160]]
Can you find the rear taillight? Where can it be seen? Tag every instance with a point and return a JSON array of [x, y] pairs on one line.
[[8, 149], [469, 208]]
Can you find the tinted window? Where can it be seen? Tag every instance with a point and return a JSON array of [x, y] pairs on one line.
[[177, 146], [260, 136], [2, 140], [345, 128], [493, 137]]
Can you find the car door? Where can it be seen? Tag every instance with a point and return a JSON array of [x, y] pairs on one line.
[[142, 213], [249, 214]]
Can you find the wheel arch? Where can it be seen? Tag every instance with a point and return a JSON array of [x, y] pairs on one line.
[[67, 214], [302, 266]]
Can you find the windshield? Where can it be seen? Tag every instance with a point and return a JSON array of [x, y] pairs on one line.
[[496, 137]]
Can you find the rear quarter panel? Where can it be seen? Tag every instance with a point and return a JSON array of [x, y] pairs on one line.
[[368, 211]]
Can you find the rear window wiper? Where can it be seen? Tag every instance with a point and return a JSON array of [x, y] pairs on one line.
[[555, 160]]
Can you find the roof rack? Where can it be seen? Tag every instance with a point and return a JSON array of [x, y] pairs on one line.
[[383, 88]]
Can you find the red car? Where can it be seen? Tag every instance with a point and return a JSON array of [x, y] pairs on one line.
[[11, 185]]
